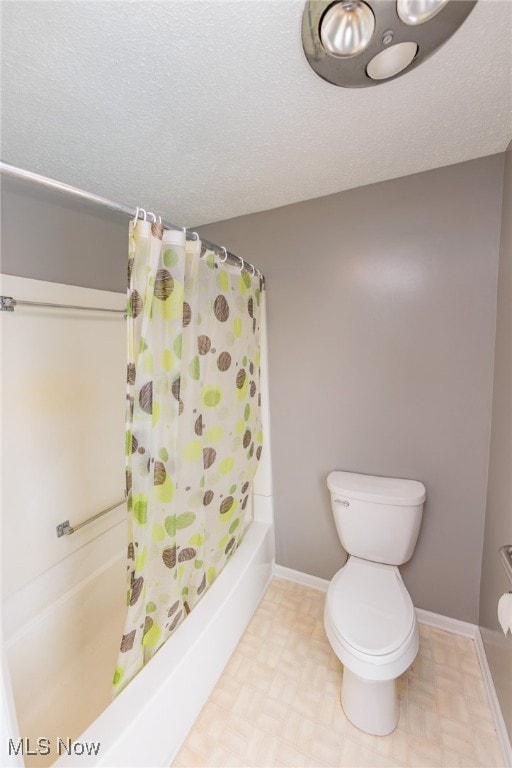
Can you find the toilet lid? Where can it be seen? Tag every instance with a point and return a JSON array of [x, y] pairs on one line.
[[370, 607]]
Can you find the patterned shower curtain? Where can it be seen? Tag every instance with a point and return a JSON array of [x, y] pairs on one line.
[[193, 429]]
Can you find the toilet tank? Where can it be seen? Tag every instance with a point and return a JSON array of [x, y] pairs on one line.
[[377, 518]]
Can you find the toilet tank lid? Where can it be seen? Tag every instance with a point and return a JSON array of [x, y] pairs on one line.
[[379, 490]]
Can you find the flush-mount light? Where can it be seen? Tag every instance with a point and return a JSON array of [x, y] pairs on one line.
[[347, 28], [356, 44], [418, 11]]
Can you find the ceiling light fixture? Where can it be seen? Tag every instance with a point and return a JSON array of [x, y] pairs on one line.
[[348, 42]]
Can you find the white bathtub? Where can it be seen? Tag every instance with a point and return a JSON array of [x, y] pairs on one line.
[[147, 723], [59, 694], [149, 720], [64, 611]]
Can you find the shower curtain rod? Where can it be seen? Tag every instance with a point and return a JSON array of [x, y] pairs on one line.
[[60, 186]]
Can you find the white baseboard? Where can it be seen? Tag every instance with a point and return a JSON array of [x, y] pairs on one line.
[[435, 620], [315, 582], [445, 623]]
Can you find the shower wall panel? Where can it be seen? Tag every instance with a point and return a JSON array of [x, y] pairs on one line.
[[63, 393], [63, 599]]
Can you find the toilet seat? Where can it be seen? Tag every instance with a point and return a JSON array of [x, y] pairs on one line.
[[370, 619], [370, 607]]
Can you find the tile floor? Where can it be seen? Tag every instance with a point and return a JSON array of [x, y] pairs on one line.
[[277, 702]]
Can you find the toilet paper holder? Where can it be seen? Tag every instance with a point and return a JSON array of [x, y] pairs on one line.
[[506, 559]]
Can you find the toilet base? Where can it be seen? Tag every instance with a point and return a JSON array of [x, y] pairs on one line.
[[371, 705]]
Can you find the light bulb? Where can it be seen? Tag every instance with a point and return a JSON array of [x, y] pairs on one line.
[[414, 12], [347, 28]]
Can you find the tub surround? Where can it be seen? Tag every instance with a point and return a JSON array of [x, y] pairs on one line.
[[71, 595], [62, 367]]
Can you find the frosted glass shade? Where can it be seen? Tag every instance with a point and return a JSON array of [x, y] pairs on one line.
[[391, 61]]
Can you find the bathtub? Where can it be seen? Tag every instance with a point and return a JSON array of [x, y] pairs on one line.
[[149, 720], [64, 616]]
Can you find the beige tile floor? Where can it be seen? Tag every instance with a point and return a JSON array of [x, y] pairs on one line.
[[277, 702]]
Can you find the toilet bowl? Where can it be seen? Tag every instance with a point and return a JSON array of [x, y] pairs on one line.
[[371, 625], [369, 616]]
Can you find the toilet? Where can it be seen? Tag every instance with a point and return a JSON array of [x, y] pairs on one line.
[[369, 616]]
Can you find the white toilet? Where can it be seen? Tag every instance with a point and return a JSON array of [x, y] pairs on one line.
[[369, 616]]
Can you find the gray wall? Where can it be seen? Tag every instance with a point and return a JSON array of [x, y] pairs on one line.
[[498, 518], [49, 236], [381, 308]]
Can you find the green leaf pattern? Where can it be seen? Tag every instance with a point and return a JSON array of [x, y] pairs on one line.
[[193, 429]]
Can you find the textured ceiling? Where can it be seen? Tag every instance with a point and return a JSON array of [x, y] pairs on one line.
[[206, 109]]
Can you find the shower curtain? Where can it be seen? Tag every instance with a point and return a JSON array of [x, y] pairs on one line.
[[193, 429]]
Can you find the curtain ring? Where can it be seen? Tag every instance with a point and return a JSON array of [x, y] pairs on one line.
[[136, 217], [225, 255], [196, 236], [145, 214], [241, 263], [150, 213], [253, 270], [159, 219]]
